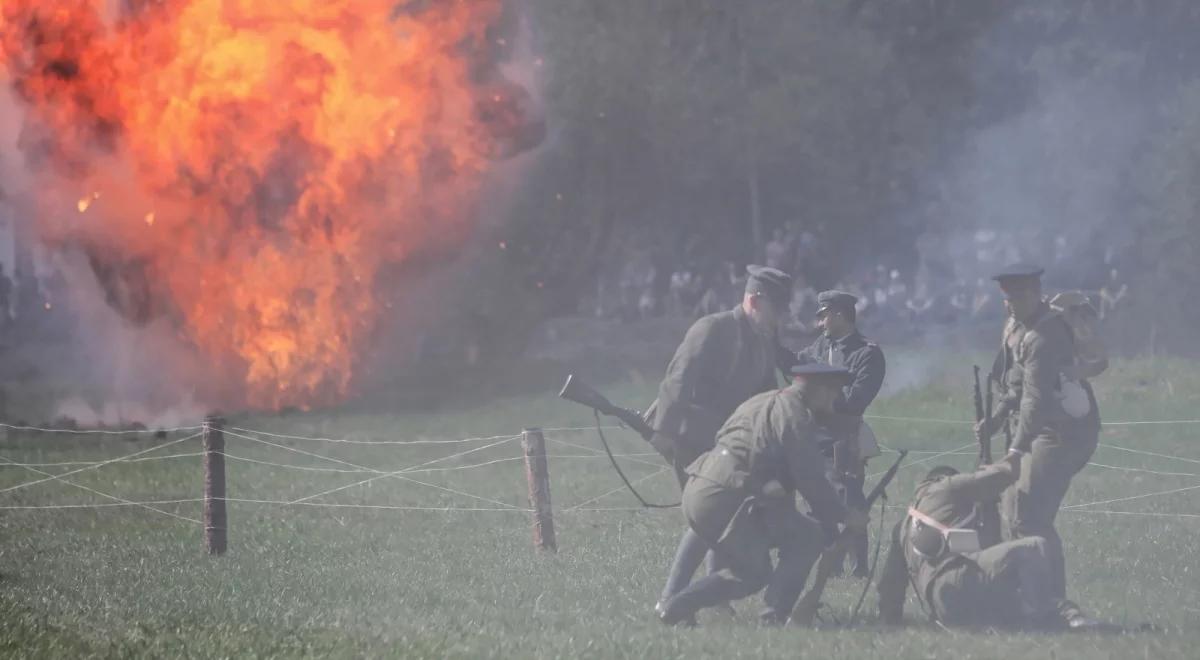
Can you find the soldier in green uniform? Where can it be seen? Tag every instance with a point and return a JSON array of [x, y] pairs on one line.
[[841, 344], [1046, 408], [724, 359], [740, 498], [958, 583]]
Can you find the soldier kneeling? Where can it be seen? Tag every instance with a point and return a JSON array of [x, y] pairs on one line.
[[740, 499], [936, 549]]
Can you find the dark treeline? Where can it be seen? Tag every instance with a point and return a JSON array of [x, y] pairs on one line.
[[686, 132]]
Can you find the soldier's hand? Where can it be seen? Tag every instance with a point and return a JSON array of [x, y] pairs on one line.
[[984, 430], [1013, 460], [856, 520]]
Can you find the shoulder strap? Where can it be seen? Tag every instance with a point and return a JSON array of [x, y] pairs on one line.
[[926, 519], [932, 522]]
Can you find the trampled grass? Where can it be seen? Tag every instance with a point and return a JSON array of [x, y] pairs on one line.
[[434, 580]]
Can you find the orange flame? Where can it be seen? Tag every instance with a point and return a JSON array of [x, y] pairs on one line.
[[290, 149]]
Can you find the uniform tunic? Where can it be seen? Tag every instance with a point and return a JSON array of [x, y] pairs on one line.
[[721, 362], [867, 366], [865, 361]]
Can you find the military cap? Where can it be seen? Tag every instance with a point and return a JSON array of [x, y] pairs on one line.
[[820, 370], [770, 282], [1018, 270], [834, 298]]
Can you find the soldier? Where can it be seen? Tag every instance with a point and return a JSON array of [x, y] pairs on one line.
[[740, 498], [935, 548], [724, 359], [1046, 408], [841, 344]]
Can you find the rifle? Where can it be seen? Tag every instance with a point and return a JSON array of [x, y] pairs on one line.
[[989, 512], [985, 443], [988, 413], [806, 608], [579, 392]]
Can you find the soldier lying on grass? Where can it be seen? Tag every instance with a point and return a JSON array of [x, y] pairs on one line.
[[935, 549]]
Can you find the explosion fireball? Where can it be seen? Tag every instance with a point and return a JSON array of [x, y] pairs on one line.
[[247, 168]]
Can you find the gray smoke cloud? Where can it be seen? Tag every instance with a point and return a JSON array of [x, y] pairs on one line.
[[1048, 184], [1057, 177]]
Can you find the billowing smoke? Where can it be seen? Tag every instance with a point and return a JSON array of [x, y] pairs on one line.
[[1078, 158]]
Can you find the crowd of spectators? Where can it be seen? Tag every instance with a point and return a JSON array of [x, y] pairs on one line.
[[948, 284]]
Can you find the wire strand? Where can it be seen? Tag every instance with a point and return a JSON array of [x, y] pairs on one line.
[[350, 441], [1150, 453], [1133, 469], [134, 460], [1133, 497], [380, 474], [927, 459], [13, 427], [99, 505], [102, 463], [618, 489], [111, 497], [337, 505]]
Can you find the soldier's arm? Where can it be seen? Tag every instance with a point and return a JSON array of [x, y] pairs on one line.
[[986, 484], [868, 378], [678, 386], [806, 467], [1039, 380], [893, 582]]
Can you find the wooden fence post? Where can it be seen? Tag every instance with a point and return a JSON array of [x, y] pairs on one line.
[[537, 473], [214, 486]]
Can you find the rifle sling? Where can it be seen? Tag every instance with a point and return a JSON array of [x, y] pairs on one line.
[[621, 473]]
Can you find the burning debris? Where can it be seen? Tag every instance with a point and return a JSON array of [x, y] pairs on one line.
[[247, 169]]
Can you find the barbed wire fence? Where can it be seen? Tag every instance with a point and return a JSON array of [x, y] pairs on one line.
[[531, 453]]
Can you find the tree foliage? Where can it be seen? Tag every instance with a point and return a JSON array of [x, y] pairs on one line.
[[688, 129]]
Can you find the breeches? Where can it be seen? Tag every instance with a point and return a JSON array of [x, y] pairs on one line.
[[1029, 507], [744, 555], [1006, 585]]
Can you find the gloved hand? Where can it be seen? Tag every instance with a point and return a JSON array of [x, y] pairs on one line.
[[985, 429]]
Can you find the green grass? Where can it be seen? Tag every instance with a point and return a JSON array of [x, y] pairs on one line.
[[347, 582]]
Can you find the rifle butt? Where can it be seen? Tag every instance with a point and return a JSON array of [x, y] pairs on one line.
[[805, 611]]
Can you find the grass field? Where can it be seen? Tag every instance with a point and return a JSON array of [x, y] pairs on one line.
[[442, 581]]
